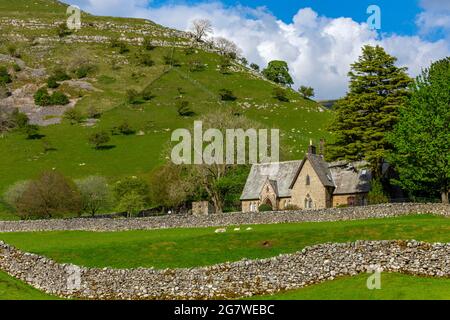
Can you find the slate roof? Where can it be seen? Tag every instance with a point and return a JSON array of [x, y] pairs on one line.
[[261, 172], [320, 167], [345, 177], [350, 178]]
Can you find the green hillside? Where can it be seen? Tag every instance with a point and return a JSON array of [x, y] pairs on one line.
[[29, 38]]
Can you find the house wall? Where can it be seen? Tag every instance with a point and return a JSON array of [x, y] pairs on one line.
[[321, 197], [343, 200]]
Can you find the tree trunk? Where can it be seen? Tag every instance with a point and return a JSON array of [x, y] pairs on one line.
[[445, 197]]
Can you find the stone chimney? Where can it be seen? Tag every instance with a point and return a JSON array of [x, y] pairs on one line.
[[311, 148]]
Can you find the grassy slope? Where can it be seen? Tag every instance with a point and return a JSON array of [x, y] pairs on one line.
[[195, 247], [299, 119], [13, 289], [393, 287]]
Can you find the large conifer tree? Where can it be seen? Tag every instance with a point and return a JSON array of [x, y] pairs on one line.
[[378, 89]]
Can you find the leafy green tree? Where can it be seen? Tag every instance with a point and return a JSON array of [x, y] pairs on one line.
[[131, 184], [378, 91], [421, 138], [95, 194], [306, 92], [278, 71], [254, 66], [131, 203], [99, 139]]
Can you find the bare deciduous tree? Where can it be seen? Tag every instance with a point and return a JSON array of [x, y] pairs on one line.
[[227, 47], [201, 28]]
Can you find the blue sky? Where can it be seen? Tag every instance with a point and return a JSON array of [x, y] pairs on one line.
[[398, 15], [318, 38]]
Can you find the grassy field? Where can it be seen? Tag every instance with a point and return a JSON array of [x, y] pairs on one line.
[[13, 289], [393, 287], [173, 248]]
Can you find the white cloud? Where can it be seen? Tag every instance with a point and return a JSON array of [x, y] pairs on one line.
[[436, 16], [319, 50]]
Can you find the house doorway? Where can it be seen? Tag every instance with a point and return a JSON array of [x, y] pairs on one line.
[[269, 203]]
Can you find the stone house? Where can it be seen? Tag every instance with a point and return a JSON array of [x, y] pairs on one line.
[[311, 183]]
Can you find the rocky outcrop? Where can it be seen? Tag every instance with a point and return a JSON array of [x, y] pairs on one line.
[[226, 219], [229, 280]]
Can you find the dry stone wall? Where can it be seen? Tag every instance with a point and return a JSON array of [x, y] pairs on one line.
[[226, 219], [230, 280]]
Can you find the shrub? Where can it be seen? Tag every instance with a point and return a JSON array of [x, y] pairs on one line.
[[147, 44], [41, 97], [264, 208], [20, 119], [73, 115], [60, 74], [12, 50], [94, 113], [306, 92], [184, 110], [4, 75], [133, 97], [49, 196], [122, 46], [196, 65], [85, 70], [32, 131], [227, 95], [280, 94], [189, 50], [4, 92], [99, 139], [147, 93], [59, 98], [146, 60], [51, 83], [16, 67], [62, 30], [170, 60], [95, 194], [124, 128], [224, 65]]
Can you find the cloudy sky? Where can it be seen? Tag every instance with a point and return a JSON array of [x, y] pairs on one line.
[[318, 38]]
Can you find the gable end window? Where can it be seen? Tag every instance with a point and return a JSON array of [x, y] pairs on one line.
[[308, 180]]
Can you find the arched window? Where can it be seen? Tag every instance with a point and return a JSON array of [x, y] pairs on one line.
[[308, 180], [308, 202]]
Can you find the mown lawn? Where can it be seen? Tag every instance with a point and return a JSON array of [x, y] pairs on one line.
[[13, 289], [393, 287], [174, 248]]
